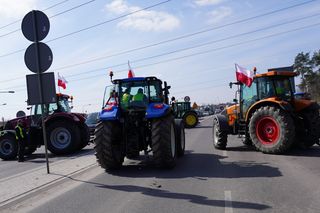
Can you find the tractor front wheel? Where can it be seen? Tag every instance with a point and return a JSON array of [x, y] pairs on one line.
[[219, 137], [8, 147], [190, 119], [108, 140], [180, 137], [163, 142], [272, 130], [63, 137]]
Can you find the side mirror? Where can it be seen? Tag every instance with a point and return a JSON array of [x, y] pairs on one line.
[[235, 100], [230, 85]]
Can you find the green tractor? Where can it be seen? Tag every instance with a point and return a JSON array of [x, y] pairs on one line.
[[184, 111]]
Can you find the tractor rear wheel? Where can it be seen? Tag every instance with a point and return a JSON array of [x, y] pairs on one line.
[[163, 142], [219, 137], [271, 130], [180, 137], [108, 140], [8, 147], [310, 134], [63, 137], [190, 119]]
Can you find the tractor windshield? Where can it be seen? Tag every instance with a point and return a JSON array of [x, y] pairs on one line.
[[137, 94], [61, 106], [275, 87]]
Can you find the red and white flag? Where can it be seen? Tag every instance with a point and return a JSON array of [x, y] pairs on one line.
[[62, 82], [244, 75], [130, 72]]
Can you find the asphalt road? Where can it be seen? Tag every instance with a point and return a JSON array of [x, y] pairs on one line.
[[204, 180]]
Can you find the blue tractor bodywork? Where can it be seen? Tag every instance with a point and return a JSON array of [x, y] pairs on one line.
[[112, 110]]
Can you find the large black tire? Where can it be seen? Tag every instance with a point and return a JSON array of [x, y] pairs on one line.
[[311, 133], [163, 142], [271, 130], [8, 147], [108, 144], [85, 137], [247, 141], [190, 119], [180, 137], [219, 137], [63, 137], [30, 149]]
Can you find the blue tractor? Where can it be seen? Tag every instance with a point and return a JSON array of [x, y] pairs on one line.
[[136, 116]]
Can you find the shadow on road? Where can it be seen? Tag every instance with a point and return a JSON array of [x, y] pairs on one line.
[[155, 192], [313, 151], [200, 166], [197, 199]]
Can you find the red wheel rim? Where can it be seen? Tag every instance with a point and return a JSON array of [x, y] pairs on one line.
[[267, 130]]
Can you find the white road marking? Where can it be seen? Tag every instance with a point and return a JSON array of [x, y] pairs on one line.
[[228, 202]]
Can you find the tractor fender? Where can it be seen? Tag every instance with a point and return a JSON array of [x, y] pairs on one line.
[[222, 122], [5, 132], [69, 117], [280, 104], [156, 110]]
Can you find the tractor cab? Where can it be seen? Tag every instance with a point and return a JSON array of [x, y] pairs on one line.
[[271, 86], [138, 94], [62, 105]]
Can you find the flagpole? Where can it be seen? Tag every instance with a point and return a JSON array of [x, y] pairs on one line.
[[58, 85]]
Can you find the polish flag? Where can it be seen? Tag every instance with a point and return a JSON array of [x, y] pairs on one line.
[[62, 82], [130, 72], [244, 75]]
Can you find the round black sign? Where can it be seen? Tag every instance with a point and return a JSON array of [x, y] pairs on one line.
[[35, 25], [20, 114], [45, 57], [187, 99]]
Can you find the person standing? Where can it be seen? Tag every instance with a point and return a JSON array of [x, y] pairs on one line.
[[21, 139]]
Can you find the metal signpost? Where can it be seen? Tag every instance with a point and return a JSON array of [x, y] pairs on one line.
[[38, 58]]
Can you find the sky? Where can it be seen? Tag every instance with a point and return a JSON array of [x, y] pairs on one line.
[[191, 44]]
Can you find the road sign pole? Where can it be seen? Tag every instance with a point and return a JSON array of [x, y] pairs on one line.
[[43, 110]]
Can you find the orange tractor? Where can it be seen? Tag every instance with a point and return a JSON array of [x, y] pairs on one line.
[[268, 115]]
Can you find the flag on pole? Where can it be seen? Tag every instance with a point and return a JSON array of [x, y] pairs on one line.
[[244, 75], [130, 72], [62, 82]]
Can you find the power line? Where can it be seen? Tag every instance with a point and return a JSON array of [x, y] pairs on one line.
[[205, 52], [184, 36], [185, 56], [194, 54], [50, 7], [110, 20], [177, 38], [60, 13], [81, 30], [200, 45]]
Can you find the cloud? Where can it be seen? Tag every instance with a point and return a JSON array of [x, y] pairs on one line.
[[217, 15], [15, 8], [207, 2], [147, 20]]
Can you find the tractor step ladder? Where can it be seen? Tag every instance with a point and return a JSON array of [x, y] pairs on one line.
[[242, 128]]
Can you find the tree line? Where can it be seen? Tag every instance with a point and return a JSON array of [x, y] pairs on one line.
[[309, 67]]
